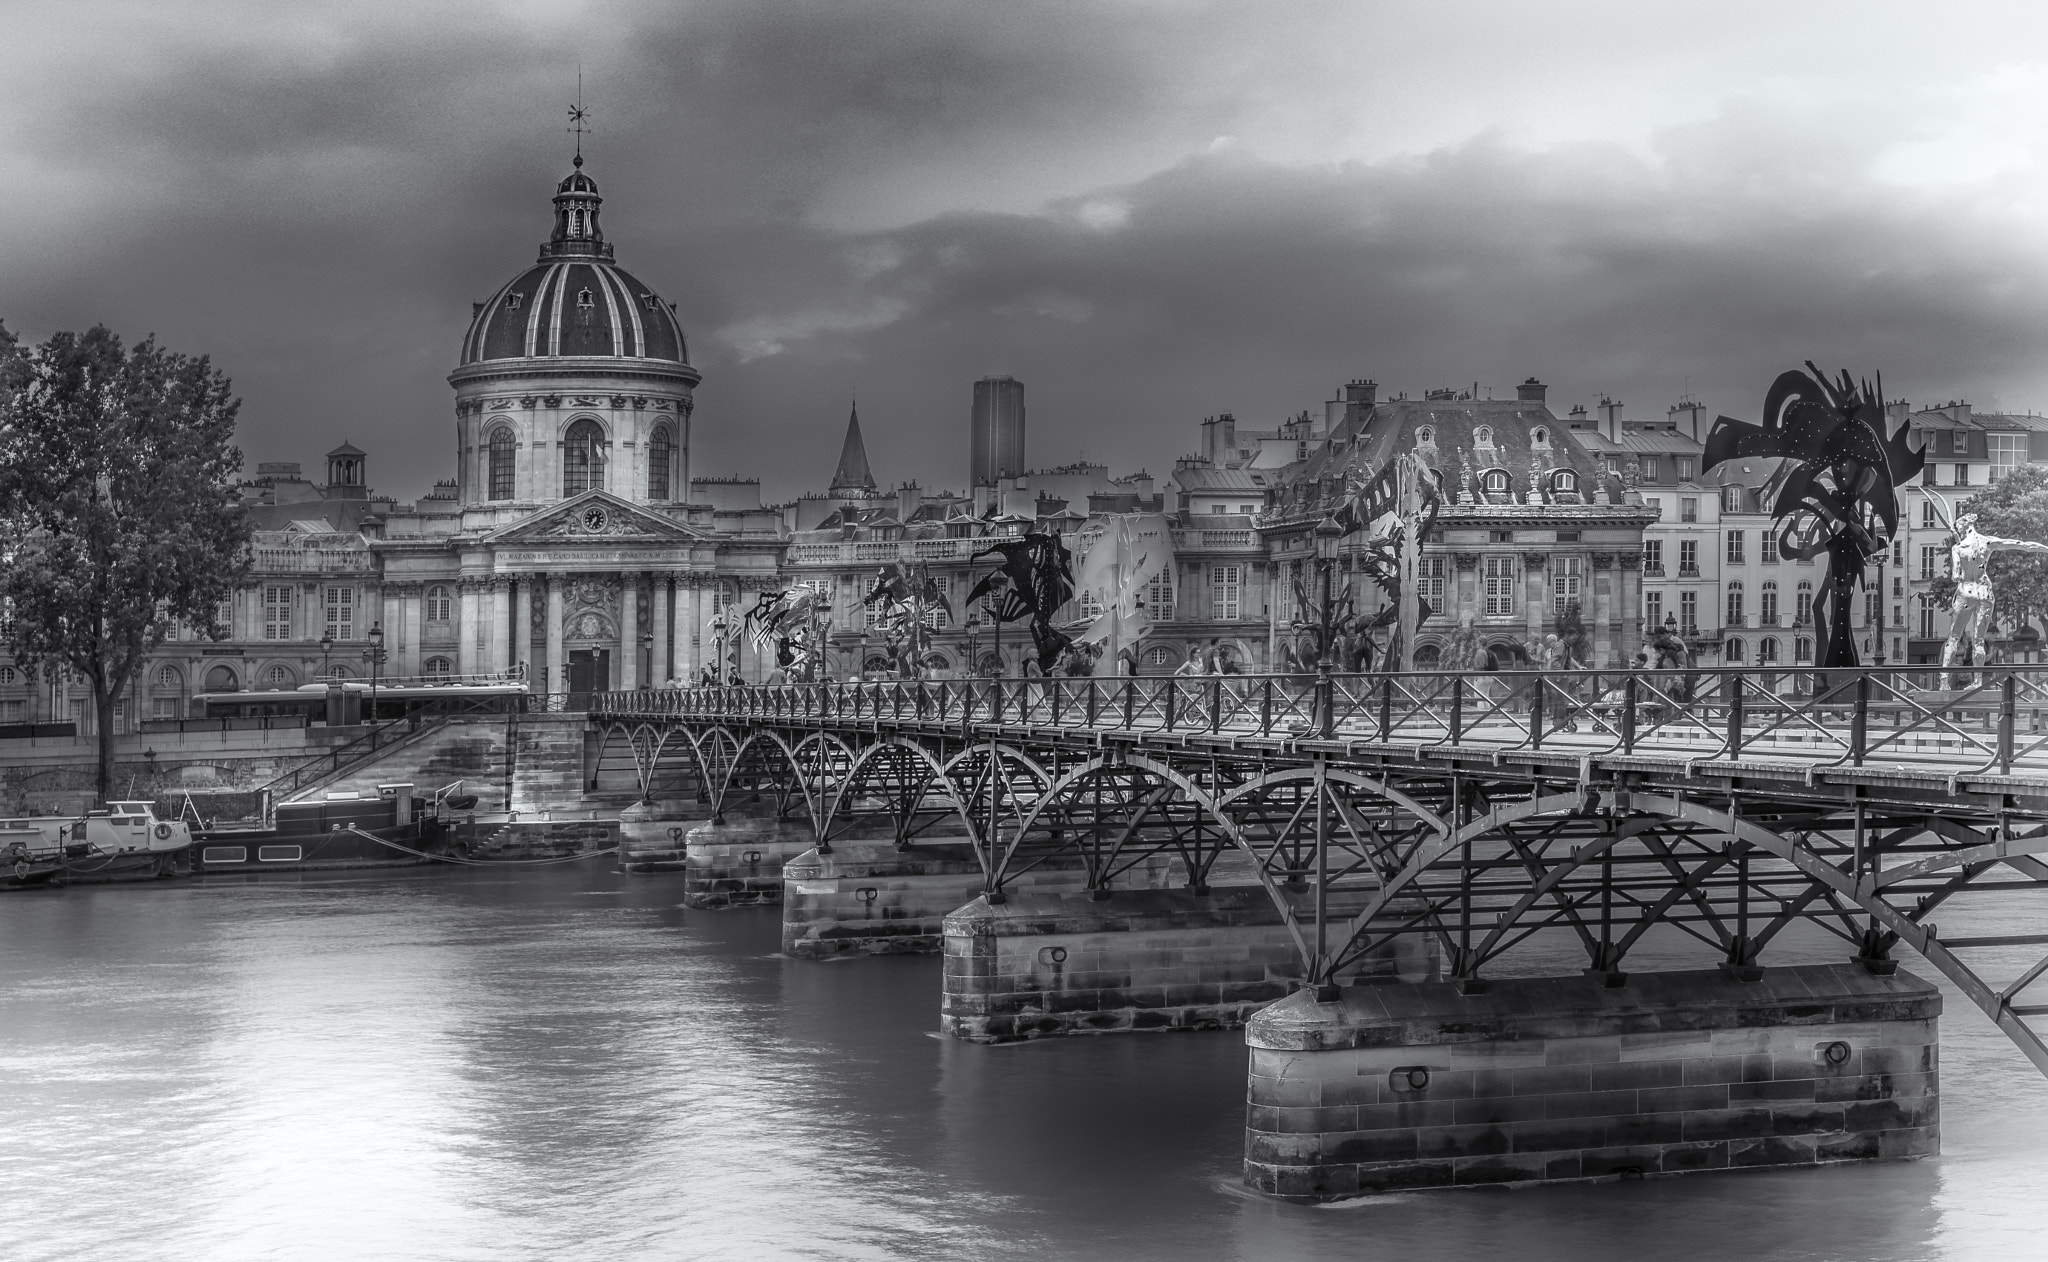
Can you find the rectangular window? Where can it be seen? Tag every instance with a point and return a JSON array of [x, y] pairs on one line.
[[1684, 464], [1688, 509], [1767, 605], [1735, 546], [1650, 469], [1928, 521], [1962, 475], [1500, 586], [277, 612], [1653, 609], [1767, 547], [1926, 619], [1688, 612], [1873, 607], [1655, 505], [1433, 573], [1566, 576], [340, 603], [1734, 605], [1958, 442], [1226, 592], [1653, 554], [1731, 499], [1159, 596], [2008, 452], [163, 708], [1899, 553], [1930, 557], [1688, 558]]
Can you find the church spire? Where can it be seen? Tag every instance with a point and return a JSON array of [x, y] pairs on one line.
[[853, 473]]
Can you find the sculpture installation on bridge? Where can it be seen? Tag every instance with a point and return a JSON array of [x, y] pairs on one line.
[[1836, 491], [1034, 580], [904, 599], [1973, 616], [793, 622], [1117, 563], [1398, 505]]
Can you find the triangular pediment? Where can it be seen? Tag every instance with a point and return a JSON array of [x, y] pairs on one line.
[[591, 517]]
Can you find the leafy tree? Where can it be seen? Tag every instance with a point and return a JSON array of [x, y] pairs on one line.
[[117, 498], [2014, 507]]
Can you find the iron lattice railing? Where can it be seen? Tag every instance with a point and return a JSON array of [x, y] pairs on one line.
[[1989, 718]]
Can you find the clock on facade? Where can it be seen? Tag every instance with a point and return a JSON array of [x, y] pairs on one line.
[[595, 519]]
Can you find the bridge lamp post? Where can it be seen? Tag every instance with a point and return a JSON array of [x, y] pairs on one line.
[[376, 655], [326, 648], [1328, 533]]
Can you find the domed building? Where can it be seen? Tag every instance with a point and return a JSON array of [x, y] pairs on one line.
[[568, 540]]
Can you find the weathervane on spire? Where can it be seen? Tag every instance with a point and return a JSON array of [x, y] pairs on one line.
[[577, 115]]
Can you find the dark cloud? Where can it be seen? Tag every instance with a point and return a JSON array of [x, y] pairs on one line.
[[1150, 212]]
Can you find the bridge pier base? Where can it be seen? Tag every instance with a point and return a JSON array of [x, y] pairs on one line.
[[1547, 1079], [874, 898], [739, 863], [1043, 964]]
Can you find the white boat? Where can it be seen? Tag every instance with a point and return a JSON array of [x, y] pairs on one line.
[[124, 842]]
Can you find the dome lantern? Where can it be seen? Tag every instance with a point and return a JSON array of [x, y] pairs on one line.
[[576, 233]]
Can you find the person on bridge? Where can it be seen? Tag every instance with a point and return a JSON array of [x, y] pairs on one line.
[[1970, 563]]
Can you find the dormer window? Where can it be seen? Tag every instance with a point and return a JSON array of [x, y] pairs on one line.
[[1564, 482], [1426, 436], [1494, 482], [1483, 436], [1539, 436], [584, 301], [512, 300], [653, 303]]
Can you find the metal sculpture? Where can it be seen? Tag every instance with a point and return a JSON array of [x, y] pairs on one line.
[[1126, 553], [1973, 615], [1836, 491], [793, 622], [1035, 579], [904, 599]]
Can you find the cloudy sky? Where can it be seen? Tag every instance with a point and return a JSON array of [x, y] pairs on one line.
[[1150, 211]]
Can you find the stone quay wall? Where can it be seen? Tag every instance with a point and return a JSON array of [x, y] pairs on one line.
[[1052, 964], [1546, 1079]]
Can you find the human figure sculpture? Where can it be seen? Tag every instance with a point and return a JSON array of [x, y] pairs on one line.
[[1970, 564]]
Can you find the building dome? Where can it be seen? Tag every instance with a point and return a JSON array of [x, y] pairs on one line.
[[575, 302]]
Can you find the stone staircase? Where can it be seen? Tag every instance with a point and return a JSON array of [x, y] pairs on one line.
[[546, 764], [470, 748]]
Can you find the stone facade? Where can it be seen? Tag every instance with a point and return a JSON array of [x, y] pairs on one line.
[[1563, 1078]]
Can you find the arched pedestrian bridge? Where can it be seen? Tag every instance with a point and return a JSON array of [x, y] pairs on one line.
[[1469, 810]]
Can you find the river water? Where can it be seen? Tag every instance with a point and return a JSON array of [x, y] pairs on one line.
[[474, 1064]]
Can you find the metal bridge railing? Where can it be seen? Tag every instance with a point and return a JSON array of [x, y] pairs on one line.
[[1988, 717]]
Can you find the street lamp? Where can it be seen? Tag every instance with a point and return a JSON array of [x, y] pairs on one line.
[[1328, 618], [326, 647], [376, 656]]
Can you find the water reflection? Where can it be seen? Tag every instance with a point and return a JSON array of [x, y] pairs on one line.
[[567, 1065]]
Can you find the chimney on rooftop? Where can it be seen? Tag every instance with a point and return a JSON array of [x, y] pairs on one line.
[[1610, 417], [1685, 417], [1363, 390], [1531, 391]]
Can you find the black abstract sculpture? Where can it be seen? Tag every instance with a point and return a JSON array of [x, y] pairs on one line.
[[1040, 578], [1836, 491]]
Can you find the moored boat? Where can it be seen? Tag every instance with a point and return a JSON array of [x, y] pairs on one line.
[[340, 830], [125, 841]]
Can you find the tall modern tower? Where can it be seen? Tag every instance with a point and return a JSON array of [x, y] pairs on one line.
[[997, 440]]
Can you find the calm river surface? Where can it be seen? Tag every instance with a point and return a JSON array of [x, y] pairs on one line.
[[568, 1065]]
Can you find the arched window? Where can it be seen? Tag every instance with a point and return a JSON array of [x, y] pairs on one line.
[[279, 676], [1495, 482], [1802, 608], [221, 679], [339, 671], [1767, 604], [1160, 655], [660, 453], [1539, 436], [1427, 656], [1767, 651], [440, 606], [583, 458], [1734, 605], [1564, 482], [437, 668], [1426, 436], [168, 677], [1733, 651], [504, 462], [1482, 436], [1802, 649], [6, 674]]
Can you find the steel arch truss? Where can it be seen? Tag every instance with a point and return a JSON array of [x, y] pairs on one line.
[[1359, 852]]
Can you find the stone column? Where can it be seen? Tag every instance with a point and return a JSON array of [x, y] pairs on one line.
[[1534, 576], [689, 625], [1631, 610], [629, 631], [557, 658], [1601, 607], [658, 668], [465, 627], [501, 623], [413, 615], [520, 639]]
